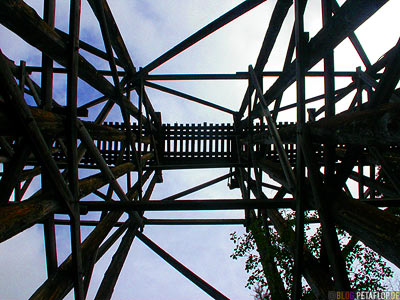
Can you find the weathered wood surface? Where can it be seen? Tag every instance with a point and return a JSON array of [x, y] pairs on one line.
[[378, 126], [16, 217]]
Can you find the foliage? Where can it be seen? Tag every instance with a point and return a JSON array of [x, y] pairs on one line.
[[366, 269]]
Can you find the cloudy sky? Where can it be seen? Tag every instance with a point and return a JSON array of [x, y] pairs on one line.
[[150, 28]]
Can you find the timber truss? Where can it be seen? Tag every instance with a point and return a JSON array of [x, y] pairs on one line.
[[310, 161]]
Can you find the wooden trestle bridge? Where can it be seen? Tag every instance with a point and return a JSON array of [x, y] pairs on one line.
[[306, 163]]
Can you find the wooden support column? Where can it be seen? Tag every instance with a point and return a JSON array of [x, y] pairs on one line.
[[283, 159], [329, 89], [301, 41], [329, 235], [46, 92], [72, 162]]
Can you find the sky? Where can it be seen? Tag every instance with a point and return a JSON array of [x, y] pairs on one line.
[[150, 28]]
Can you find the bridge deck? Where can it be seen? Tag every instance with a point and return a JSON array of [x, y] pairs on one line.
[[196, 145]]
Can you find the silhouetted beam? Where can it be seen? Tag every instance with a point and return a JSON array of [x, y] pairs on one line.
[[347, 19], [87, 47], [377, 229], [16, 217], [111, 275], [34, 89], [274, 170], [202, 33], [114, 269], [209, 76], [94, 182], [174, 222], [24, 21], [181, 268], [116, 38], [278, 16], [189, 97], [197, 188], [378, 126], [354, 40], [160, 205]]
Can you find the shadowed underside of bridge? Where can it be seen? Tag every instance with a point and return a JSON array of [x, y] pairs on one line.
[[307, 163]]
